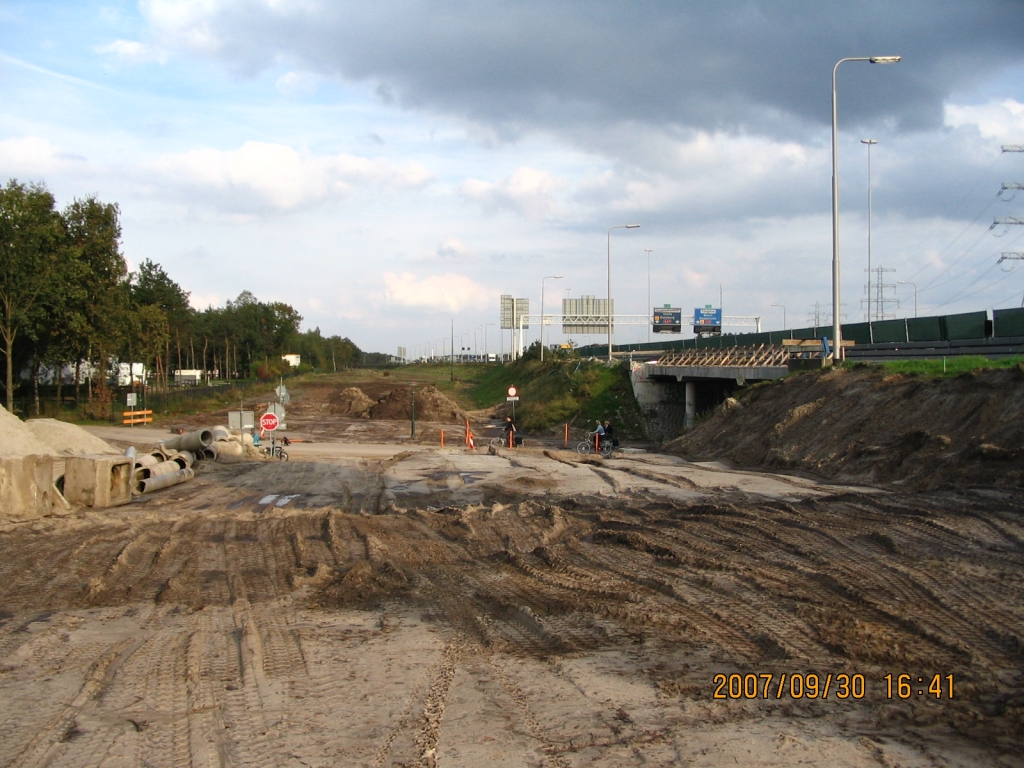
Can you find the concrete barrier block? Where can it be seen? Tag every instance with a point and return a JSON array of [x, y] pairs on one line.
[[26, 487], [98, 481]]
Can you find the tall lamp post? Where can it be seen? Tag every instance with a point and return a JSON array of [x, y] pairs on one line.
[[905, 282], [542, 316], [869, 142], [487, 357], [608, 308], [837, 348], [649, 307], [783, 314]]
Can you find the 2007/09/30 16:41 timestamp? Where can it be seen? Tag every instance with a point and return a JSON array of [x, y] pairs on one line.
[[814, 686]]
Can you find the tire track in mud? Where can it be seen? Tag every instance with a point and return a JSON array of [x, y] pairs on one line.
[[412, 741], [57, 738]]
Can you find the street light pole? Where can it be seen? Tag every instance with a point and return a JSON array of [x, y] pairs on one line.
[[649, 307], [783, 314], [869, 142], [837, 348], [907, 282], [542, 317], [608, 307], [486, 355]]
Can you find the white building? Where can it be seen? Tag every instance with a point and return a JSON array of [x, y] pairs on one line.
[[129, 374], [292, 360], [192, 377]]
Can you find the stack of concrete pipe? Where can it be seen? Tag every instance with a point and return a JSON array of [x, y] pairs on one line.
[[171, 462], [161, 469]]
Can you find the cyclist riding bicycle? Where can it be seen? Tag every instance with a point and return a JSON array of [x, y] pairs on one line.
[[598, 435]]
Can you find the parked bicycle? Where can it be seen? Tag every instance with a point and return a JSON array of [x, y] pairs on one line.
[[275, 452]]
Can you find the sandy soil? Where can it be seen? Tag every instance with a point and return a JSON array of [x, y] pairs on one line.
[[864, 425], [406, 605]]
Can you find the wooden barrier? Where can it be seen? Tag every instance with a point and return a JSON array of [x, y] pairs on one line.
[[137, 417]]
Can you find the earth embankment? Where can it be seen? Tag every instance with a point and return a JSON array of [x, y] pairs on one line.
[[864, 425]]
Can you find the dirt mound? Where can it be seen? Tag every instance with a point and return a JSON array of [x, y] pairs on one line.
[[16, 439], [363, 586], [863, 425], [431, 405], [350, 402], [67, 438]]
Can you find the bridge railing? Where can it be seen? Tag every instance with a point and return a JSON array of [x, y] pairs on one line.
[[759, 356]]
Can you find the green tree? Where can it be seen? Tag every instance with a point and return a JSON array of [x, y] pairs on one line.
[[153, 289], [30, 240], [94, 240]]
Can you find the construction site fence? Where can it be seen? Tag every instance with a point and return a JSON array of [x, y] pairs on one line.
[[158, 401], [986, 324]]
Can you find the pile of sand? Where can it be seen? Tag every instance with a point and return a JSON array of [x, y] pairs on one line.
[[866, 425], [351, 402], [16, 439], [431, 405], [67, 439]]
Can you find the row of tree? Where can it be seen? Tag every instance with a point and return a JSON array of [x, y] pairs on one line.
[[68, 300]]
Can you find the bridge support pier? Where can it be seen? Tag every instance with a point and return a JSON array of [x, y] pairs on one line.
[[691, 404]]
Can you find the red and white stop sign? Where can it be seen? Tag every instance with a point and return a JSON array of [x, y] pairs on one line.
[[269, 422]]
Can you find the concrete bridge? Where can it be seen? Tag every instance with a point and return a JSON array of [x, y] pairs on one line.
[[677, 386]]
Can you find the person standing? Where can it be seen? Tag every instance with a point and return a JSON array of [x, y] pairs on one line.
[[509, 432], [609, 434]]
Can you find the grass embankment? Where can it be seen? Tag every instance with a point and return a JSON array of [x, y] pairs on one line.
[[557, 392], [551, 393], [947, 368]]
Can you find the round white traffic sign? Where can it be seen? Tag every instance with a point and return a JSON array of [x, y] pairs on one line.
[[269, 421], [512, 391]]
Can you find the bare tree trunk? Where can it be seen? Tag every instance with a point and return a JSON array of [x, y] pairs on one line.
[[60, 388], [78, 378], [88, 362], [9, 342], [177, 336], [206, 376], [35, 383]]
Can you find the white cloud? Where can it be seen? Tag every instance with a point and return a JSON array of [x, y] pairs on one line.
[[447, 293], [260, 174], [527, 192], [201, 302], [33, 156], [185, 21], [453, 248], [996, 120], [133, 51], [296, 84]]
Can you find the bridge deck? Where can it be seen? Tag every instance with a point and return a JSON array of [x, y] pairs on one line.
[[741, 363]]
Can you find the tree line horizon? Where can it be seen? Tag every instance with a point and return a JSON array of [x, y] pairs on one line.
[[68, 299]]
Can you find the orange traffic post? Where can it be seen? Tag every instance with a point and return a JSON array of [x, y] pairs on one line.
[[442, 438], [566, 444]]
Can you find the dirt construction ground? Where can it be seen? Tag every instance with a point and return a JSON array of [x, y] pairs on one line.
[[387, 604]]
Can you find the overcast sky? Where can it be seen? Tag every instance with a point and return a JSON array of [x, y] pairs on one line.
[[386, 167]]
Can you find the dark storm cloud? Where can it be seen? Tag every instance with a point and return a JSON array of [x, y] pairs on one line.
[[751, 67]]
